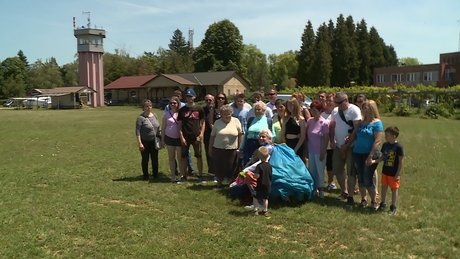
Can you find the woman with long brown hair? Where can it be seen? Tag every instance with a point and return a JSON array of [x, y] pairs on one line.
[[293, 130]]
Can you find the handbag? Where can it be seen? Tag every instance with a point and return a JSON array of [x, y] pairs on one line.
[[158, 142]]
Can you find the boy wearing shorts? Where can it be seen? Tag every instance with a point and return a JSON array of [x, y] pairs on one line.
[[393, 159]]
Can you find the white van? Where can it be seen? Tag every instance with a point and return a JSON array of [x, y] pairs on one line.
[[40, 101], [286, 97]]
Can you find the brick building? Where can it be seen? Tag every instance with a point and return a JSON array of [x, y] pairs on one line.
[[442, 74]]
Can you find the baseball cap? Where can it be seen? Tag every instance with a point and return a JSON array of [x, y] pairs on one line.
[[190, 92]]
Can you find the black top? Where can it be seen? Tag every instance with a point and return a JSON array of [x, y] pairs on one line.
[[292, 127], [391, 154], [264, 182], [190, 118], [207, 128]]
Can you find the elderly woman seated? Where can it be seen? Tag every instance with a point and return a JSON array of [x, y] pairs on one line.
[[290, 178]]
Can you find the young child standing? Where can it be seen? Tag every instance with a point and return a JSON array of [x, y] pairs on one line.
[[263, 174], [393, 159]]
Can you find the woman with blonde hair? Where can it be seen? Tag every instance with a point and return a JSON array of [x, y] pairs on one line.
[[366, 149], [293, 129], [170, 134]]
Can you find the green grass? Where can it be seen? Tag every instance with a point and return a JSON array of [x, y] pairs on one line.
[[71, 187]]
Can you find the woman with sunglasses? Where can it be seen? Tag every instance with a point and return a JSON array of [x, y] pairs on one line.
[[170, 134]]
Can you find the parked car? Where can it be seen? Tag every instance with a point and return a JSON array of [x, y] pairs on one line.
[[107, 101], [163, 103], [10, 103]]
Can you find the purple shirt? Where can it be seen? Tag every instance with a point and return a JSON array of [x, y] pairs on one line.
[[171, 129], [315, 134]]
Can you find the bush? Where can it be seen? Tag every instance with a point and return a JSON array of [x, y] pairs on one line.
[[402, 111], [437, 110]]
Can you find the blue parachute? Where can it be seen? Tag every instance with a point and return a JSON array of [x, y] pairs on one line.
[[290, 176]]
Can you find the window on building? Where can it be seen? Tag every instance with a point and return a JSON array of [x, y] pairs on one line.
[[449, 75], [397, 77], [380, 78], [413, 77]]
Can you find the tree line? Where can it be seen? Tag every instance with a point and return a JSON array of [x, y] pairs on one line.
[[337, 54]]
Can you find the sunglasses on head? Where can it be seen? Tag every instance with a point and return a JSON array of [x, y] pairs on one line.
[[340, 102]]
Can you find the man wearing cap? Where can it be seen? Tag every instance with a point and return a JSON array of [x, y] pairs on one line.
[[178, 94], [191, 126]]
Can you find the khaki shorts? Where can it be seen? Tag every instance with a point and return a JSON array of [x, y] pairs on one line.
[[339, 161]]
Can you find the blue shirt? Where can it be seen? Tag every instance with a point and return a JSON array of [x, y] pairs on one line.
[[242, 116], [365, 137]]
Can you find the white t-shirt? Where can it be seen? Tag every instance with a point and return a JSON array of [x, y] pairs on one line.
[[353, 113], [271, 106]]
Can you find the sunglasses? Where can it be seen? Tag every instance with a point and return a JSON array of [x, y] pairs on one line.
[[173, 103], [360, 101], [208, 100], [340, 101], [221, 98], [271, 94]]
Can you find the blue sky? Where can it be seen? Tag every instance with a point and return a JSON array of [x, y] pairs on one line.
[[42, 29]]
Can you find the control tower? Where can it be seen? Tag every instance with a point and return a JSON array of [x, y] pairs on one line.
[[90, 63]]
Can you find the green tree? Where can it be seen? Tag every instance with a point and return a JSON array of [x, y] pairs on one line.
[[409, 61], [13, 68], [69, 74], [45, 75], [282, 68], [344, 53], [118, 65], [322, 64], [254, 67], [391, 58], [221, 48], [179, 54], [305, 56], [146, 64], [364, 71], [377, 59], [13, 86]]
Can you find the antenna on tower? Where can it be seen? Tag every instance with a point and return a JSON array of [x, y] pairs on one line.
[[89, 18], [190, 38]]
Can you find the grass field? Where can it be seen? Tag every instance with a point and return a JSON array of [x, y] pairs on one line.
[[71, 188]]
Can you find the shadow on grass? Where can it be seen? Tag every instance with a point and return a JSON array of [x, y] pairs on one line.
[[161, 179]]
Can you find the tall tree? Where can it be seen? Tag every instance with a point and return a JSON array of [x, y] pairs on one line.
[[220, 49], [69, 74], [179, 54], [254, 66], [118, 65], [345, 59], [391, 58], [45, 75], [282, 68], [364, 71], [305, 56], [377, 58], [322, 64], [13, 76]]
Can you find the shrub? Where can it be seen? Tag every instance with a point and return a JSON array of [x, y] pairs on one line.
[[402, 111], [437, 110]]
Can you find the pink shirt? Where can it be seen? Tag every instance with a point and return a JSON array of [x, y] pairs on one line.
[[171, 129], [315, 133]]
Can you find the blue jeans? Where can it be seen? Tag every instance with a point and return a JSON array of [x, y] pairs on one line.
[[365, 173]]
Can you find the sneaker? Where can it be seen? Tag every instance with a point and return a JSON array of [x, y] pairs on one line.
[[392, 210], [342, 196], [363, 203], [382, 206], [331, 187], [251, 207], [265, 213], [255, 213], [214, 179], [321, 194], [201, 179], [374, 205], [350, 202], [182, 180]]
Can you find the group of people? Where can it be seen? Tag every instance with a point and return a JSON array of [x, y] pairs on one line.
[[331, 133]]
